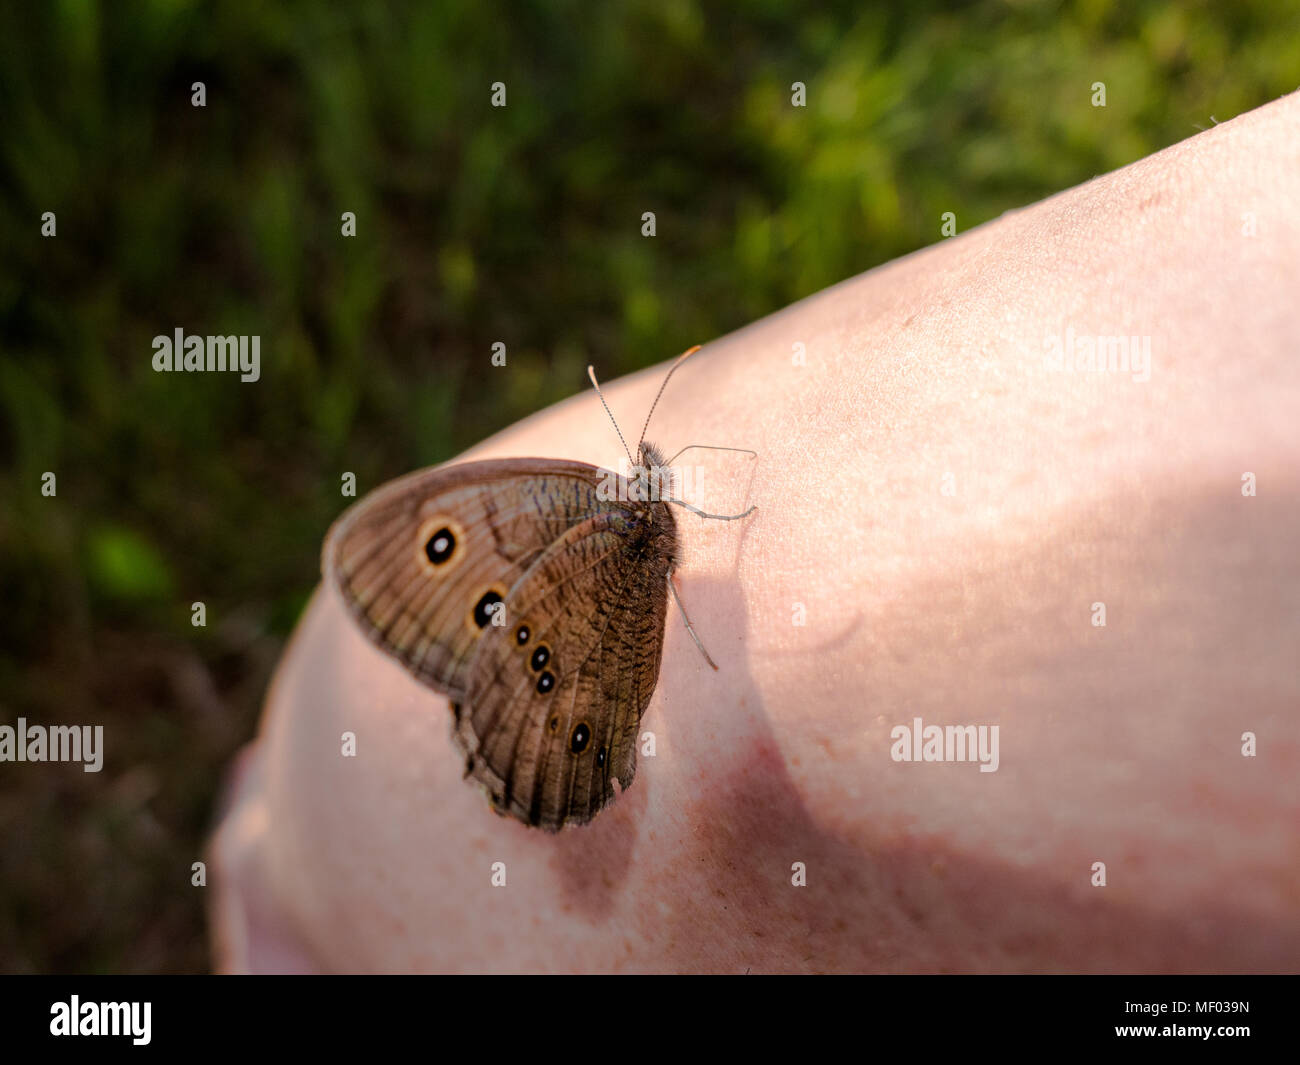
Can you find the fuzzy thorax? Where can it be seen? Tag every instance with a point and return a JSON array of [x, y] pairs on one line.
[[653, 480]]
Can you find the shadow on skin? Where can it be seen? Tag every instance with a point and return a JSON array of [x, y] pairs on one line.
[[902, 896], [593, 863]]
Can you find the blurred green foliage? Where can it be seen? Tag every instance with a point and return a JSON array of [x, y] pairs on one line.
[[474, 224]]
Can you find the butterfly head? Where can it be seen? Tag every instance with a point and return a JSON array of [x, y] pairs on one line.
[[653, 480]]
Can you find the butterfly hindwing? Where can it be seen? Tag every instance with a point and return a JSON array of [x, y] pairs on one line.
[[556, 697]]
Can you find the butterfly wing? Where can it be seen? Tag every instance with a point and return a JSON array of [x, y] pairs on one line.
[[423, 562], [556, 697]]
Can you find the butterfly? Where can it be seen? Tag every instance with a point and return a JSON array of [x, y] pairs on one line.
[[533, 594]]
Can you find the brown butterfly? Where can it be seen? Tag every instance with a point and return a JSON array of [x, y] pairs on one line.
[[533, 594]]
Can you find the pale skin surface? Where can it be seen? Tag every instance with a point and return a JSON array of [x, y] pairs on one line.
[[1119, 744]]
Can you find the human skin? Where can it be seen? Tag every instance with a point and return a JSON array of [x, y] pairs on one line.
[[960, 600]]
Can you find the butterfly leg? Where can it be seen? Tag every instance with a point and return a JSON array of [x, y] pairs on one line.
[[706, 514], [672, 587], [709, 447]]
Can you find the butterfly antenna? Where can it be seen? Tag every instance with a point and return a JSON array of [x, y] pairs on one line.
[[667, 377], [591, 372]]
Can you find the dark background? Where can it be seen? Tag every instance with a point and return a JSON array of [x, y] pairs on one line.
[[474, 225]]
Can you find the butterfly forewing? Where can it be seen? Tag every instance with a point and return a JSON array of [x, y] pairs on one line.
[[423, 562]]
